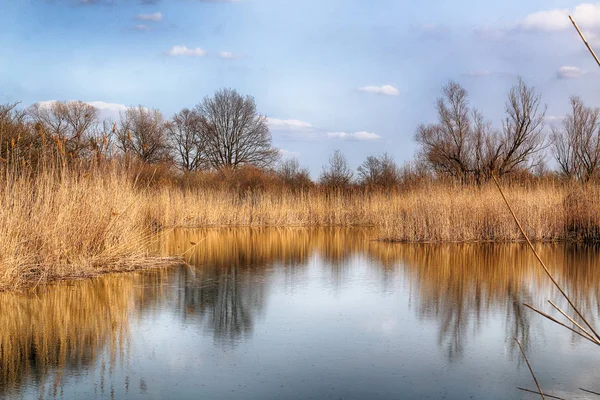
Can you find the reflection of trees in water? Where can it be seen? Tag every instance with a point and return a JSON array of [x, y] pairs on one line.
[[459, 285], [227, 299], [69, 327]]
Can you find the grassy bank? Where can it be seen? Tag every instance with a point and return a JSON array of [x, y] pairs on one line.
[[63, 223]]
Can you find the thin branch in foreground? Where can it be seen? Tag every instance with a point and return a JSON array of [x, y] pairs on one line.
[[547, 395], [589, 391], [541, 393], [551, 318], [585, 41], [574, 322], [537, 256]]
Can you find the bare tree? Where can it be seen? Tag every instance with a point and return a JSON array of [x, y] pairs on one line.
[[337, 174], [448, 146], [576, 144], [143, 134], [185, 133], [464, 146], [523, 138], [68, 122], [235, 133], [293, 175], [379, 171], [17, 139]]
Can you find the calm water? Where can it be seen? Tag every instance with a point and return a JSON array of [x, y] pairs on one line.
[[300, 314]]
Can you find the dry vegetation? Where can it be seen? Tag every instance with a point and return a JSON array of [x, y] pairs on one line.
[[82, 196], [61, 224], [64, 223]]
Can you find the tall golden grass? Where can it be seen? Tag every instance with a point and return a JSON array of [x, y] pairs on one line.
[[65, 222], [429, 213], [59, 224]]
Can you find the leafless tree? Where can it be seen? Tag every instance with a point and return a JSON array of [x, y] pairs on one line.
[[337, 174], [448, 146], [576, 144], [293, 175], [463, 145], [234, 131], [185, 134], [143, 134], [523, 137], [17, 139], [68, 122], [379, 171]]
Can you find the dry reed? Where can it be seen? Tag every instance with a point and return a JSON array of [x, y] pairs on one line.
[[68, 223]]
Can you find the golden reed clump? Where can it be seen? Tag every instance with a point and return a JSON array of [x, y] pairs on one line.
[[61, 223], [65, 222]]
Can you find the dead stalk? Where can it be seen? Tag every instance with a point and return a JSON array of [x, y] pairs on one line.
[[534, 392], [585, 41], [531, 370]]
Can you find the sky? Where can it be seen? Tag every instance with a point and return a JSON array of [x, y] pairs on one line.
[[354, 75]]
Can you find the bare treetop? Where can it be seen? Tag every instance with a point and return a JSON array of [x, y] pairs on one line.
[[463, 145], [234, 132], [143, 133], [70, 122], [576, 143]]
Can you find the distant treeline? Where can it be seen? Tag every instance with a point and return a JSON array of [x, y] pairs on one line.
[[225, 139]]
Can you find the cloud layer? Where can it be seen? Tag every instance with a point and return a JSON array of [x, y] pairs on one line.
[[363, 135], [569, 72], [296, 129], [178, 51], [387, 90], [156, 17], [586, 15]]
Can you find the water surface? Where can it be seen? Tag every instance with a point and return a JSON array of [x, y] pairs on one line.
[[300, 314]]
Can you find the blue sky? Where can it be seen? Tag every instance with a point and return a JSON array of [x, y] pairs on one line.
[[350, 74]]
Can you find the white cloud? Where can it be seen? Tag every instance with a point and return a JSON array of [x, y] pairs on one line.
[[176, 51], [486, 73], [551, 20], [353, 136], [142, 27], [156, 17], [296, 129], [226, 55], [569, 72], [480, 73], [277, 124], [289, 154], [387, 90], [587, 16], [554, 118]]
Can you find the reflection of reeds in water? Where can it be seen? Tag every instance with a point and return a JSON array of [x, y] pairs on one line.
[[70, 326], [66, 327], [457, 284]]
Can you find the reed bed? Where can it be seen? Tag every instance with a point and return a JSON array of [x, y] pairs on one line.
[[56, 225], [62, 223], [431, 213]]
